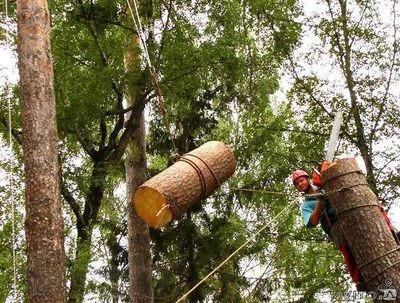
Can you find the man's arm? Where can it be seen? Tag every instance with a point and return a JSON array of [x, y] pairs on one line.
[[316, 214]]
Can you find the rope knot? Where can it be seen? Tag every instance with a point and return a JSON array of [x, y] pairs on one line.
[[175, 157]]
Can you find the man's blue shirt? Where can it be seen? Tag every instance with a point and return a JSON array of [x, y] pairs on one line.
[[307, 208]]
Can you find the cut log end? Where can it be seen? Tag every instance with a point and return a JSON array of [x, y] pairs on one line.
[[151, 206]]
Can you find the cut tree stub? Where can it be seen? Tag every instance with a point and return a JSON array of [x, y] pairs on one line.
[[193, 177], [360, 217]]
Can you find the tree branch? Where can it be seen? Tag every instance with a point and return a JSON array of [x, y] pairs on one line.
[[120, 121], [165, 29], [86, 147], [71, 201], [389, 81], [130, 127]]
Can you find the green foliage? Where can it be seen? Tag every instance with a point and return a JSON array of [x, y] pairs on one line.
[[7, 259], [219, 62], [6, 263]]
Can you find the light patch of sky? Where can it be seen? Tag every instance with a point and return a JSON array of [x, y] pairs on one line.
[[8, 65], [8, 57]]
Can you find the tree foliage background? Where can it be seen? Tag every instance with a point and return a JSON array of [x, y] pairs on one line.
[[221, 64]]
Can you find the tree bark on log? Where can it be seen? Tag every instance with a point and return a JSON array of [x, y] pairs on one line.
[[195, 176], [43, 223], [360, 216]]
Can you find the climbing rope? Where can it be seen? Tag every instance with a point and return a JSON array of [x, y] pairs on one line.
[[381, 272], [153, 72], [14, 238], [262, 191], [10, 177], [236, 251], [11, 195]]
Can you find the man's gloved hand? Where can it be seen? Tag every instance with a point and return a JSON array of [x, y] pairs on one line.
[[316, 176]]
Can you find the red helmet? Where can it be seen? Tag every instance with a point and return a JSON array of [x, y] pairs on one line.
[[299, 173]]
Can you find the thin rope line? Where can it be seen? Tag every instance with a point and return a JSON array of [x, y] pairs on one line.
[[11, 192], [161, 212], [199, 174], [356, 207], [262, 191], [381, 272], [153, 73], [162, 209], [139, 29], [142, 34], [235, 252], [359, 171]]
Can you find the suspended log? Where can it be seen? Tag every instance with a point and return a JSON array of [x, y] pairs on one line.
[[193, 177], [360, 217]]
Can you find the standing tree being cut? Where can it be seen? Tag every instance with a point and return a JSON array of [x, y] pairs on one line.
[[350, 65], [357, 41]]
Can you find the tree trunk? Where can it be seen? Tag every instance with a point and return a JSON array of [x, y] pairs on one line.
[[139, 257], [43, 225], [114, 272], [138, 231], [345, 53], [360, 216], [80, 268], [85, 225]]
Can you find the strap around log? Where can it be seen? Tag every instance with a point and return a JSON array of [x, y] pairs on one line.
[[332, 192], [382, 271], [199, 174], [343, 174], [209, 168], [377, 258], [355, 207]]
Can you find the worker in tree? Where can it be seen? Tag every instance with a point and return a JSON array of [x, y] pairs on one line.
[[316, 180], [316, 210]]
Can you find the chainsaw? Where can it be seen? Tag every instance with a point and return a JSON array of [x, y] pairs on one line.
[[330, 152]]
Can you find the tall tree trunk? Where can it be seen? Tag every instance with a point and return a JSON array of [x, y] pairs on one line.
[[138, 231], [344, 58], [114, 272], [43, 225], [80, 267], [139, 256], [85, 225]]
